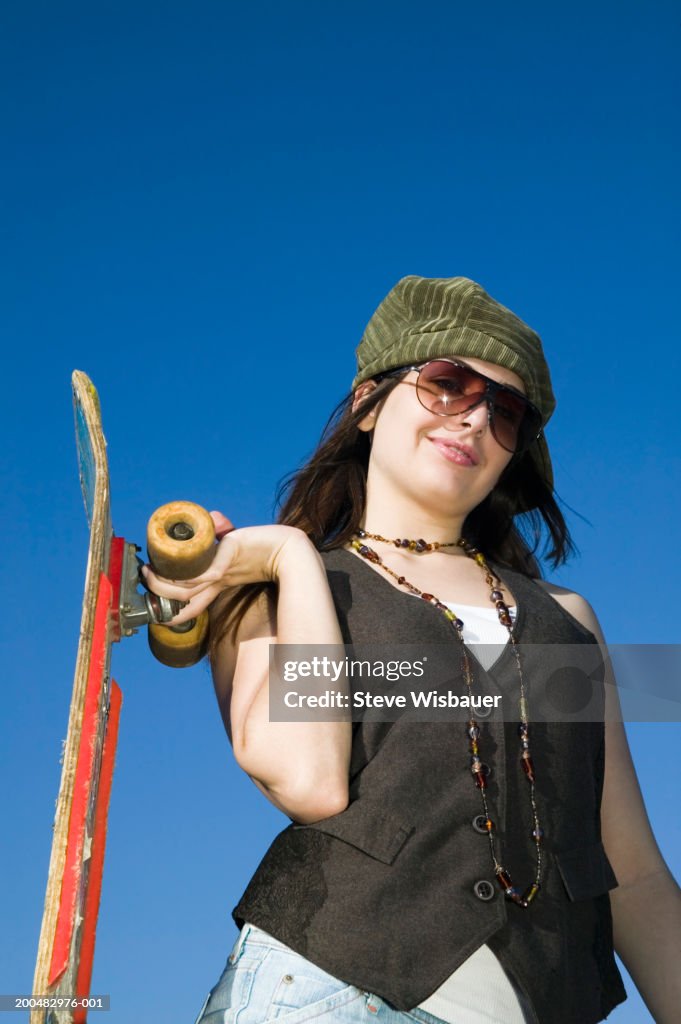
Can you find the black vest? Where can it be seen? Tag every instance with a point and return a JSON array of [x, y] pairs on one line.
[[384, 895]]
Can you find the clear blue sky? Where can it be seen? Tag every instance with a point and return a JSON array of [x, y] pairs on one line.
[[203, 200]]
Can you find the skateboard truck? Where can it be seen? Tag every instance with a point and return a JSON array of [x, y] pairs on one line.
[[137, 609]]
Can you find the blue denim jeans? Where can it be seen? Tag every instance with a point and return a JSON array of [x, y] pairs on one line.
[[265, 981]]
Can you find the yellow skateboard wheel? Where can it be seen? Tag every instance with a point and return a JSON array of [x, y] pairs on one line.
[[180, 540], [179, 649]]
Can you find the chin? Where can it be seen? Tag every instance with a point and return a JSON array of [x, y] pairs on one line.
[[449, 500], [459, 484]]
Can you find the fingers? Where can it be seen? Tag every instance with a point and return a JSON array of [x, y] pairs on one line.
[[197, 605], [179, 590], [195, 596]]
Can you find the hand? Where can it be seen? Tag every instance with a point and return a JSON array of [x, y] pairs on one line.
[[252, 554]]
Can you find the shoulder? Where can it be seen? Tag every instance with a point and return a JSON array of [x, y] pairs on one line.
[[576, 605]]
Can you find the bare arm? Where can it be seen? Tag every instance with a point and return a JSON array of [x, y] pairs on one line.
[[302, 767], [646, 905]]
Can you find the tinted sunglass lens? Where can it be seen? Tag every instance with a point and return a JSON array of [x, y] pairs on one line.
[[447, 389], [508, 414], [515, 423]]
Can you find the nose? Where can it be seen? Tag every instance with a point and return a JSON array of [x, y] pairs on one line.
[[477, 418]]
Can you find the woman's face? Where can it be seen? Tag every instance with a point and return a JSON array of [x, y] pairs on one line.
[[448, 463]]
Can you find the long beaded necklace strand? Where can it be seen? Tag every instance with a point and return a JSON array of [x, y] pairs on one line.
[[478, 768]]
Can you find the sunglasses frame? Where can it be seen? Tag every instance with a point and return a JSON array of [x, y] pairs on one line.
[[492, 388]]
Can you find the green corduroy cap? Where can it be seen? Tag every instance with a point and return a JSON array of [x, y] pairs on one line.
[[424, 318]]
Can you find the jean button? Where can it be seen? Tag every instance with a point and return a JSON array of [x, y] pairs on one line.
[[484, 890]]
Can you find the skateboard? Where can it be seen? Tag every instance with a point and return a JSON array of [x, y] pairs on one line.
[[180, 541]]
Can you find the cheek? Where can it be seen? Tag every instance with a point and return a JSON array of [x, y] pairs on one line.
[[394, 442], [503, 458]]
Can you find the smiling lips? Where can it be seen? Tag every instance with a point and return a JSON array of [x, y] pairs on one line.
[[455, 452]]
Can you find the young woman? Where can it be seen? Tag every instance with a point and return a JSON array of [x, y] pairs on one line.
[[468, 873]]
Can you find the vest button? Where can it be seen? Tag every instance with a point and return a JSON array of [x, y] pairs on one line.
[[484, 890], [483, 712], [480, 824]]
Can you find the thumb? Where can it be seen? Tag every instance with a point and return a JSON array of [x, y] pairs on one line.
[[222, 524]]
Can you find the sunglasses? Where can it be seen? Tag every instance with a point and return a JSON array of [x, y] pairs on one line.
[[449, 388]]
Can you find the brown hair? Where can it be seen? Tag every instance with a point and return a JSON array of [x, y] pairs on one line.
[[325, 499]]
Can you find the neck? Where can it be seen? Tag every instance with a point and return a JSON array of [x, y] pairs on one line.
[[412, 522]]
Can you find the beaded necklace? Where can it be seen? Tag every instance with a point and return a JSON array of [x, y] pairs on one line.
[[478, 768]]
